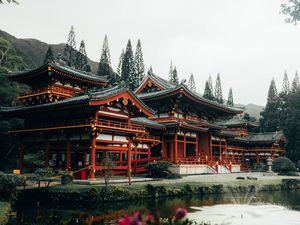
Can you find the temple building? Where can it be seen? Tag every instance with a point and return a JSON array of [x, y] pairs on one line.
[[77, 120]]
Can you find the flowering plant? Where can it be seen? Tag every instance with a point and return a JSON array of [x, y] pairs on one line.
[[138, 219]]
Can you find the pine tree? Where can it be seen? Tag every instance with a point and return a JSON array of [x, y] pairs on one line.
[[119, 69], [82, 63], [49, 55], [70, 49], [128, 74], [218, 90], [270, 120], [175, 79], [139, 67], [295, 83], [150, 71], [285, 84], [191, 83], [272, 93], [104, 64], [208, 90], [230, 98], [171, 69]]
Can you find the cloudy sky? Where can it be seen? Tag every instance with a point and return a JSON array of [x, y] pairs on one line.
[[246, 41]]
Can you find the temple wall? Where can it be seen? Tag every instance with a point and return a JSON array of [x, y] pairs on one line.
[[191, 169], [204, 144]]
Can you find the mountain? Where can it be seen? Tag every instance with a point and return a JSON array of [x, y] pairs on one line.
[[33, 51], [254, 110]]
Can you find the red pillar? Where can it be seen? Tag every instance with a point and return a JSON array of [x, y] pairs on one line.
[[129, 161], [197, 147], [21, 157], [164, 148], [93, 158], [68, 155], [149, 151], [184, 146], [47, 148], [175, 149]]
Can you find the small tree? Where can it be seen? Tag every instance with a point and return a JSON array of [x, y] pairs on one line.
[[49, 55], [295, 83], [70, 49], [218, 90], [139, 67], [108, 165], [119, 69], [128, 74], [82, 63], [191, 83], [208, 90], [150, 71], [285, 84], [230, 98], [283, 165], [175, 79]]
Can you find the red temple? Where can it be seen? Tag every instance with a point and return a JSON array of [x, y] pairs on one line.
[[75, 120]]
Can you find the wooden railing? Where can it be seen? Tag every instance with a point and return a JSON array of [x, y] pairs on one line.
[[120, 125], [259, 149]]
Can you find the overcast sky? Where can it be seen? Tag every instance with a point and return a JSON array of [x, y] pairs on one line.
[[246, 41]]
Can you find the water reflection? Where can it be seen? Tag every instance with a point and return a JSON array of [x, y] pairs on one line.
[[102, 213]]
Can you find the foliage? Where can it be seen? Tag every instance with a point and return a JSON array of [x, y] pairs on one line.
[[81, 58], [49, 57], [9, 1], [139, 67], [108, 165], [283, 164], [150, 71], [292, 9], [159, 169], [174, 78], [208, 91], [230, 98], [285, 84], [5, 208], [70, 49], [9, 60], [218, 90], [191, 83], [119, 69], [140, 219], [9, 184], [128, 74], [295, 83]]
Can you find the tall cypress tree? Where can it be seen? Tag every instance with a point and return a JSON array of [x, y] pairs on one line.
[[208, 90], [270, 120], [139, 67], [70, 49], [82, 63], [119, 69], [150, 71], [285, 84], [295, 83], [49, 57], [218, 90], [104, 64], [128, 74], [230, 98], [191, 83], [171, 69], [175, 79]]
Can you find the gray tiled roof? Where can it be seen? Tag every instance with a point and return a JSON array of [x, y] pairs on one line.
[[262, 137], [153, 95], [185, 125], [69, 70], [147, 122], [101, 94], [236, 122]]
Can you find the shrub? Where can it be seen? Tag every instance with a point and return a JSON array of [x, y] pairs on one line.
[[159, 169], [283, 165], [9, 184]]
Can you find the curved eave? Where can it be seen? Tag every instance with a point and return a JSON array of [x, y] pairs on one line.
[[186, 126], [128, 95], [183, 90]]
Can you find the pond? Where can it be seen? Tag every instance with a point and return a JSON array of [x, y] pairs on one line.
[[269, 208]]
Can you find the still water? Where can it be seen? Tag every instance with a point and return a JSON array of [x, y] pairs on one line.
[[272, 208]]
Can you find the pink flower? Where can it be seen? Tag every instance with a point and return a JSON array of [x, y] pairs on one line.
[[124, 221], [180, 214]]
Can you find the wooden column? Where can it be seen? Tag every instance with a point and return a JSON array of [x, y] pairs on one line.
[[184, 146], [175, 148], [21, 157], [164, 148], [197, 146], [257, 157], [129, 161], [47, 148], [149, 151], [135, 157], [93, 158], [68, 155], [210, 148]]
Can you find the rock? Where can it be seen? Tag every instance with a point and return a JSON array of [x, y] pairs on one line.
[[240, 178], [252, 178]]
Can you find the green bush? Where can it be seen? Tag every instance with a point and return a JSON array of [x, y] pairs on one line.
[[159, 169], [283, 165], [9, 184]]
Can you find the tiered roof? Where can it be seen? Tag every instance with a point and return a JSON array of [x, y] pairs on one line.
[[263, 138], [27, 77], [93, 98], [236, 122]]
